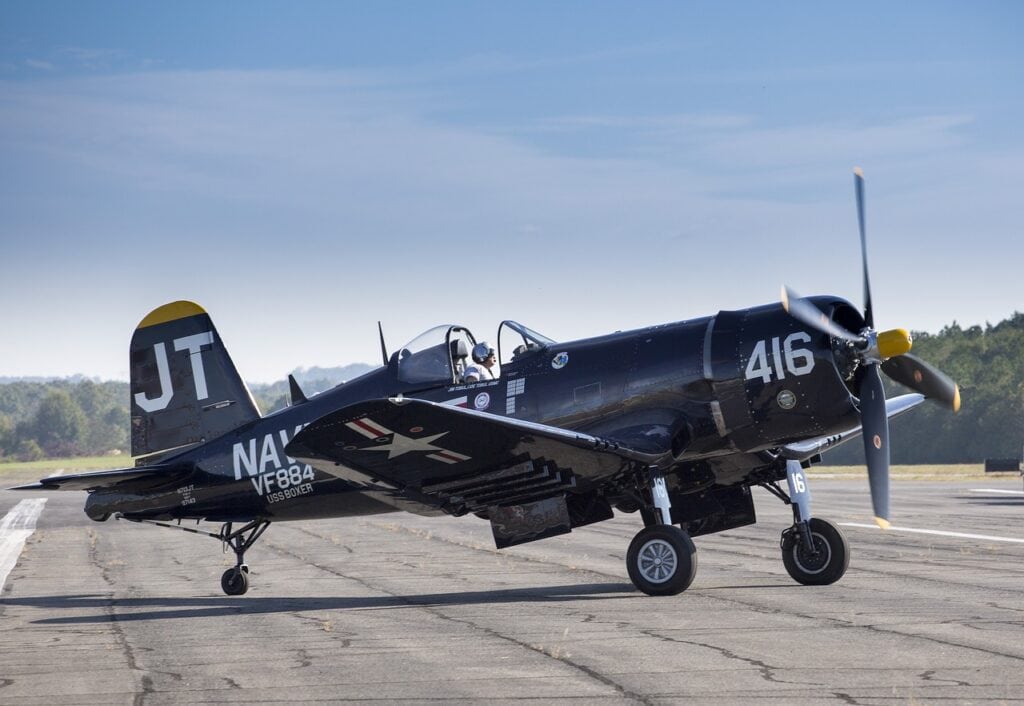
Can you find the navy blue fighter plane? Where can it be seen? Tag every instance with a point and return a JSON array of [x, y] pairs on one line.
[[674, 422]]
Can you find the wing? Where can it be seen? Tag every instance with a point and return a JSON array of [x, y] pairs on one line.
[[124, 478], [803, 450], [458, 460]]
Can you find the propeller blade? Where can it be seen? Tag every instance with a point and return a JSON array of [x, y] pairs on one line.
[[858, 181], [918, 375], [803, 310], [875, 423]]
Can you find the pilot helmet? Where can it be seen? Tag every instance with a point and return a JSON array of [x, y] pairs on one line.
[[482, 351]]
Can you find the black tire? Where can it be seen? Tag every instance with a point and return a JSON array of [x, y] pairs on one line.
[[662, 560], [826, 566], [235, 582]]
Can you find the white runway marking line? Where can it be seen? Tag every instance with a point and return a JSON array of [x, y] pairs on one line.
[[961, 535], [16, 527], [996, 490]]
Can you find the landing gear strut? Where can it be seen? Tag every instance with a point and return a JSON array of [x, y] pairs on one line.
[[234, 581], [814, 551], [824, 563], [662, 559]]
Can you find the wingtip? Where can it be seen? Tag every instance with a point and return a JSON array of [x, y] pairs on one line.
[[883, 523], [30, 486]]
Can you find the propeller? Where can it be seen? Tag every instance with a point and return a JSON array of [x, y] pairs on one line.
[[888, 351], [918, 375]]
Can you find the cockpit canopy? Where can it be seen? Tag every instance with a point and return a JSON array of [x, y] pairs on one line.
[[440, 356]]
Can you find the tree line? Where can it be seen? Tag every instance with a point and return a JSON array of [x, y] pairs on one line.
[[63, 418], [988, 364], [80, 417]]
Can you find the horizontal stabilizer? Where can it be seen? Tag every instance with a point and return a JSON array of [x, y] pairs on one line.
[[123, 478]]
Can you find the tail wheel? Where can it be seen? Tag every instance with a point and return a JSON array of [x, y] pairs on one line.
[[825, 564], [662, 560], [235, 581]]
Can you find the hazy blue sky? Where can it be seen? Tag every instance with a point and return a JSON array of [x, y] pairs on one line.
[[304, 169]]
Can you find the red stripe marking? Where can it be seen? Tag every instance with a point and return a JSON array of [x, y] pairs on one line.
[[372, 428], [452, 455]]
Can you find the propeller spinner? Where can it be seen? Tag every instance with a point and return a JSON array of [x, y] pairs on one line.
[[885, 350]]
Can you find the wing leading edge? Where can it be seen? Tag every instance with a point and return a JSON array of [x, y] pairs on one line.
[[803, 450]]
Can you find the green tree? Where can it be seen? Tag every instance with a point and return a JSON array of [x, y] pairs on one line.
[[59, 425], [7, 439], [28, 450]]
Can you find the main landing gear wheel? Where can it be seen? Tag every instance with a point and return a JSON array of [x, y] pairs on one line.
[[662, 560], [235, 580], [826, 564]]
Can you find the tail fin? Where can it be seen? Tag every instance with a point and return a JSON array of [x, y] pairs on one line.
[[184, 387]]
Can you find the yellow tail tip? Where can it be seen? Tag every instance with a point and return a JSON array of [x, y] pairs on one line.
[[171, 312], [883, 523]]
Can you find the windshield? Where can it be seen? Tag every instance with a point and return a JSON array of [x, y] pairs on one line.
[[516, 342]]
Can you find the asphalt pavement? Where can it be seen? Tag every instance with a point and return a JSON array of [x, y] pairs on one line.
[[403, 609]]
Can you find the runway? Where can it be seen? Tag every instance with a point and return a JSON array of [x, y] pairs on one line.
[[399, 608]]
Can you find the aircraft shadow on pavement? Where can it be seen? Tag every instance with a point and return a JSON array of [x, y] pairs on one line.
[[125, 609]]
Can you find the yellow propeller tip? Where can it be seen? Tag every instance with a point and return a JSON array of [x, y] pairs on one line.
[[859, 172], [956, 398], [884, 524], [785, 298]]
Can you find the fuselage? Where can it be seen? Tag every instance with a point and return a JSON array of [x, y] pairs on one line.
[[728, 386]]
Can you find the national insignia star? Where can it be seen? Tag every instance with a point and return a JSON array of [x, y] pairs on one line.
[[401, 444]]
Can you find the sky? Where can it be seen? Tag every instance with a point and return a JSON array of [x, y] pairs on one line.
[[304, 170]]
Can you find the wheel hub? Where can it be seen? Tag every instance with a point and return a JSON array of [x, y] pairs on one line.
[[657, 561], [815, 561]]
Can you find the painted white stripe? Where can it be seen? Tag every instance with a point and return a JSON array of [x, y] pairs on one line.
[[382, 431], [457, 401], [368, 428], [961, 535], [365, 432], [15, 528], [995, 490], [449, 456]]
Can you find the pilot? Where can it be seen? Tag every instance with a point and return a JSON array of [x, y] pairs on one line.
[[484, 364]]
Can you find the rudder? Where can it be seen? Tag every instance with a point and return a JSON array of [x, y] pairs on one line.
[[184, 387]]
